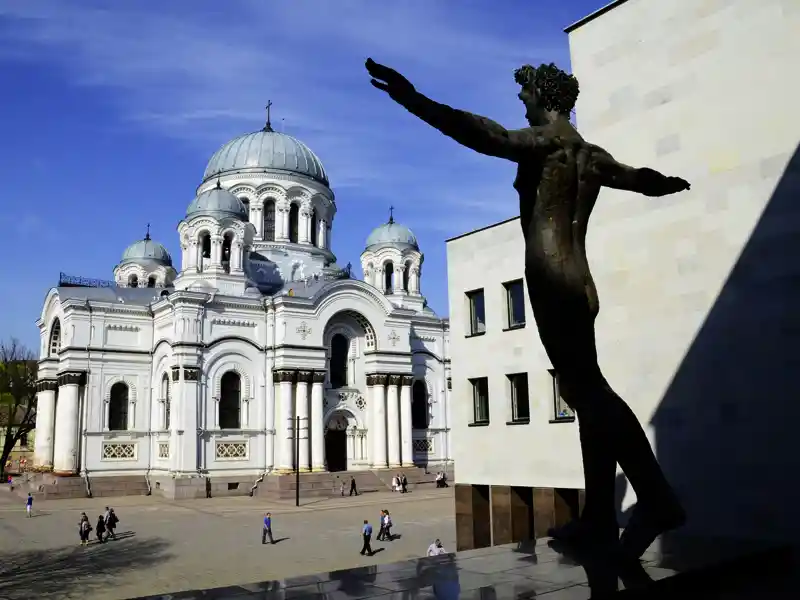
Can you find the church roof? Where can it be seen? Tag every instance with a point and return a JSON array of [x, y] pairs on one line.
[[392, 234], [119, 295], [147, 250], [218, 203]]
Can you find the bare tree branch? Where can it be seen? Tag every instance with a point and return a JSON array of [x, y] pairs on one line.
[[18, 370]]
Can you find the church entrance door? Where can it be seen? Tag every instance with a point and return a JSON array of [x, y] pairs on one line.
[[336, 450]]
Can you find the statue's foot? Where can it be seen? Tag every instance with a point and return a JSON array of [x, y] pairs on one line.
[[582, 534], [647, 523]]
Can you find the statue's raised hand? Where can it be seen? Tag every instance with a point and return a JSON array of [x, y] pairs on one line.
[[390, 81]]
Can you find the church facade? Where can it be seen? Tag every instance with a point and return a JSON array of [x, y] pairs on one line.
[[256, 353]]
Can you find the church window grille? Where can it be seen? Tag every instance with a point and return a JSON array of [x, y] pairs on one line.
[[314, 227], [423, 446], [119, 451], [227, 241], [230, 401], [167, 400], [230, 451], [151, 281], [55, 337], [133, 281], [163, 450], [118, 407], [269, 221], [340, 348], [294, 214], [419, 405], [388, 272]]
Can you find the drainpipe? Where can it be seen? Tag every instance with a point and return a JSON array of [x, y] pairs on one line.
[[150, 414]]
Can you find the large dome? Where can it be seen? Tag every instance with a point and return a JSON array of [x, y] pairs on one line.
[[146, 250], [266, 149], [392, 233]]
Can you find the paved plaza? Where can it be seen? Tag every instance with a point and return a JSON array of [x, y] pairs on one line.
[[173, 546]]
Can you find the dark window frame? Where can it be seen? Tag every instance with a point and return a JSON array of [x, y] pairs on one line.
[[480, 419], [268, 221], [517, 381], [230, 408], [562, 413], [511, 324], [118, 406], [474, 323]]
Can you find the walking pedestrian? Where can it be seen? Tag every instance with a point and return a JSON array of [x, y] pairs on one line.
[[403, 483], [267, 530], [343, 486], [353, 489], [29, 505], [84, 528], [436, 548], [366, 533], [100, 529], [387, 526], [382, 530], [111, 523], [395, 483]]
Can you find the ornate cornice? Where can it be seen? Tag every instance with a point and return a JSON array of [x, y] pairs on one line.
[[406, 380], [318, 377], [284, 376], [72, 378], [47, 385], [176, 373], [394, 379], [233, 322], [304, 376], [377, 379]]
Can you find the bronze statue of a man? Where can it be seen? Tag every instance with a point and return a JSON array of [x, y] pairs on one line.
[[559, 177]]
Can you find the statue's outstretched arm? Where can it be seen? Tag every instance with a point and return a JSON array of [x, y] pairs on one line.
[[641, 180], [473, 131]]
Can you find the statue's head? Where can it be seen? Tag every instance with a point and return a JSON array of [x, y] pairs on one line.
[[546, 88]]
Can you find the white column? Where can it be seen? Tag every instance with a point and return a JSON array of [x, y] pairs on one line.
[[304, 224], [321, 229], [45, 423], [406, 445], [285, 426], [237, 250], [351, 446], [257, 218], [378, 420], [316, 424], [190, 455], [393, 421], [175, 417], [285, 221], [65, 446], [301, 402]]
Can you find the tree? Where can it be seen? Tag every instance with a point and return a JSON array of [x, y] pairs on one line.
[[18, 368]]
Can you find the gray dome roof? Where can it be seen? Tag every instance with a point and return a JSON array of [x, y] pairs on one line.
[[146, 250], [218, 203], [266, 149], [393, 234]]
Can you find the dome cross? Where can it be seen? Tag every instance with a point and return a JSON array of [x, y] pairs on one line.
[[268, 126], [391, 215], [147, 235]]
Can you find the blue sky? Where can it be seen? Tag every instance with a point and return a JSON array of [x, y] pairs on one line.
[[111, 111]]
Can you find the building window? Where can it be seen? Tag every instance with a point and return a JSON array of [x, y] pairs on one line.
[[55, 337], [23, 440], [340, 347], [480, 400], [227, 242], [419, 405], [246, 204], [118, 407], [477, 312], [515, 303], [166, 398], [520, 404], [269, 221], [205, 246], [561, 411], [294, 215], [151, 281], [314, 227], [406, 276], [229, 401], [388, 272], [133, 281]]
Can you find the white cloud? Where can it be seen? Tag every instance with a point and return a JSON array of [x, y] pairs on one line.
[[202, 73]]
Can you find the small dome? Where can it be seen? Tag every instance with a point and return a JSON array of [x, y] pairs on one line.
[[392, 233], [266, 149], [146, 250], [218, 203]]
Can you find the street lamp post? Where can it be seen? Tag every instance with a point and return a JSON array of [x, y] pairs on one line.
[[297, 461]]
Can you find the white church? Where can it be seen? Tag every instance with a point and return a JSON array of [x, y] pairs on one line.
[[257, 353]]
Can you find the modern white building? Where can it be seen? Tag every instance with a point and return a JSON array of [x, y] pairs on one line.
[[698, 326], [214, 367]]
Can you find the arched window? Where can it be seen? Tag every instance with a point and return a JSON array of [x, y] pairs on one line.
[[229, 401], [246, 204], [55, 337], [226, 252], [340, 347], [314, 227], [205, 245], [293, 222], [118, 407], [167, 400], [419, 406], [133, 281], [406, 276], [151, 281], [269, 220], [388, 272]]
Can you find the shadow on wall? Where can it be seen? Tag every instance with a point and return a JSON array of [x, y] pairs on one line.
[[75, 569], [727, 429]]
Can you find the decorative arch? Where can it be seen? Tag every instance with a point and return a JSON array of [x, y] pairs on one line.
[[352, 418], [223, 366], [230, 400], [132, 392], [118, 406]]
